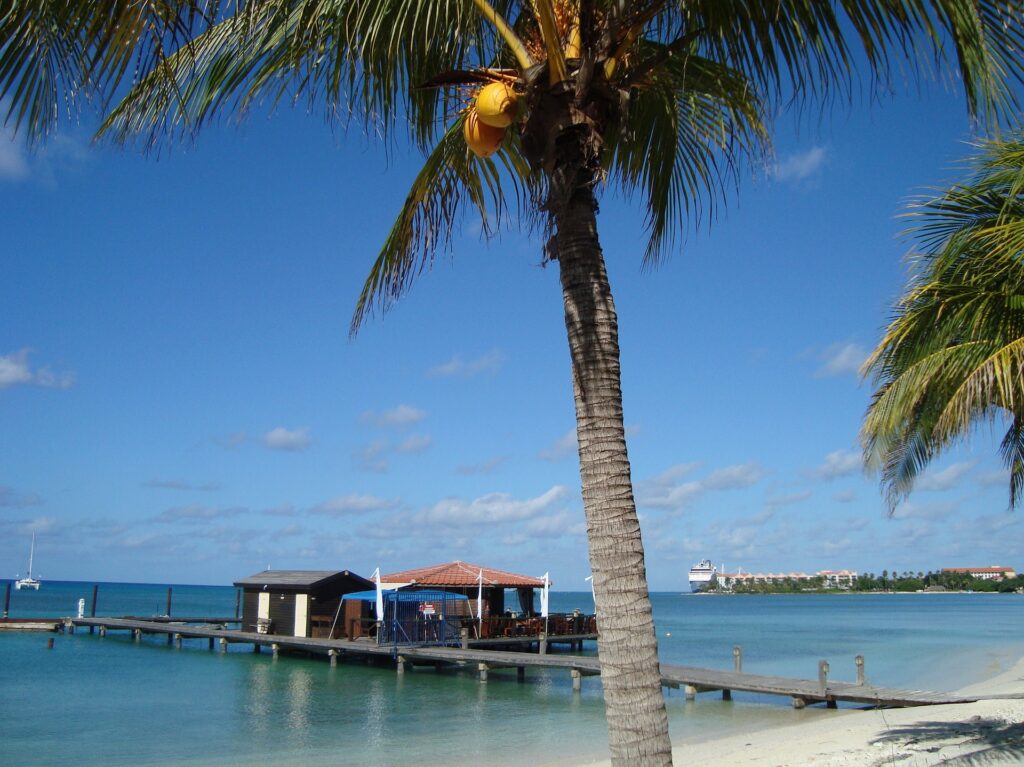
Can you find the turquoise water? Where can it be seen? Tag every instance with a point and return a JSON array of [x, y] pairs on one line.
[[107, 701]]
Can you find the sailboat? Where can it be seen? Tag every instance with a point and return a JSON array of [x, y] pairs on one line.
[[28, 582]]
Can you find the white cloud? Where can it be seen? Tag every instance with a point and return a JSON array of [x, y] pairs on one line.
[[197, 513], [945, 479], [415, 443], [180, 484], [665, 491], [844, 496], [13, 162], [400, 416], [556, 525], [911, 510], [292, 440], [15, 369], [372, 457], [734, 477], [355, 504], [11, 499], [842, 359], [800, 166], [487, 467], [562, 447], [230, 441], [840, 463], [791, 499], [456, 366], [494, 508]]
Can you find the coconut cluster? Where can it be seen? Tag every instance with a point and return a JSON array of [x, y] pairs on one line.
[[488, 117]]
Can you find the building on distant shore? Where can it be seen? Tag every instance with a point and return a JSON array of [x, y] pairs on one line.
[[993, 573], [829, 579]]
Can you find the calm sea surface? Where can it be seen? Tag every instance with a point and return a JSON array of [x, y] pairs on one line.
[[92, 701]]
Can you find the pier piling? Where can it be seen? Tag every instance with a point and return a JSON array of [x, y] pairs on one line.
[[577, 680], [690, 692], [275, 648], [333, 655], [859, 661], [103, 631], [737, 659], [223, 644], [482, 668]]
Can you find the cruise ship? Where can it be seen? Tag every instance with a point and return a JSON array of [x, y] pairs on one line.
[[702, 576]]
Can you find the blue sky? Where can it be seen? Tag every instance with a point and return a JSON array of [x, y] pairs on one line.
[[180, 402]]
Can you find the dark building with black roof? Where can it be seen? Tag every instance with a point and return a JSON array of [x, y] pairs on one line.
[[302, 603]]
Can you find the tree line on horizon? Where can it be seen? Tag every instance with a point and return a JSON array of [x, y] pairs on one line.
[[905, 581]]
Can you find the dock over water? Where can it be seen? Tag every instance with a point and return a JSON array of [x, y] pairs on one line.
[[482, 657]]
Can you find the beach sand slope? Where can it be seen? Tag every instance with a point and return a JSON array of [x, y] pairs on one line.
[[990, 731]]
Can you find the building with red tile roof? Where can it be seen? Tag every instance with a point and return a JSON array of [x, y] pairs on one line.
[[465, 578]]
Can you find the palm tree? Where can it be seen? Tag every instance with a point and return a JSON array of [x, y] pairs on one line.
[[662, 98], [953, 355]]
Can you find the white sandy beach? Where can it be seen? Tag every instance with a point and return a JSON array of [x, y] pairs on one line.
[[986, 732]]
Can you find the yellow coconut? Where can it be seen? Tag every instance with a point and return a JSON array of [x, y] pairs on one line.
[[496, 105], [481, 138]]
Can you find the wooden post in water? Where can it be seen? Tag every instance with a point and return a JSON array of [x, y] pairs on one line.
[[168, 613], [400, 668], [7, 600], [177, 641], [276, 649], [690, 692], [482, 668], [577, 680], [333, 655], [859, 660], [103, 631], [92, 613], [223, 644], [737, 659]]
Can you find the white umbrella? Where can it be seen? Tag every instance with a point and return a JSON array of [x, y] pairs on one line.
[[480, 602], [544, 597], [380, 595]]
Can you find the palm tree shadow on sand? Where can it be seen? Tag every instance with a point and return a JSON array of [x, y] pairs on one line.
[[985, 741]]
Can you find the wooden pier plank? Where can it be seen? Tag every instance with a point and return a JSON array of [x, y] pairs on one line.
[[699, 679]]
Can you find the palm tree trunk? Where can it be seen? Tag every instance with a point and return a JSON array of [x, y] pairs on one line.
[[628, 649]]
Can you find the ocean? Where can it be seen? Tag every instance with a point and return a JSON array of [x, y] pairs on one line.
[[92, 701]]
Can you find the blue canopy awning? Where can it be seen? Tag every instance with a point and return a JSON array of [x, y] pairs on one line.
[[407, 595]]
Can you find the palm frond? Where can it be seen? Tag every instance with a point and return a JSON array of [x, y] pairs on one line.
[[809, 50], [953, 354], [55, 55], [432, 211], [689, 121]]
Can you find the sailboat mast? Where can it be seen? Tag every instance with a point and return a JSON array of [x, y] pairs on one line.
[[31, 554]]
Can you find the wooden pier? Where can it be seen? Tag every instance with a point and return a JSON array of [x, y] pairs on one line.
[[480, 655]]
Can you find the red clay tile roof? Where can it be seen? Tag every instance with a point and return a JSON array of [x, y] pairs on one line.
[[461, 574]]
